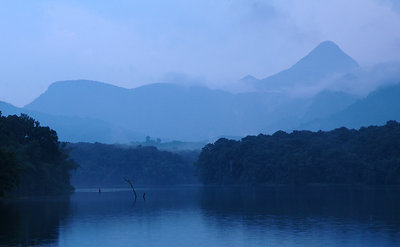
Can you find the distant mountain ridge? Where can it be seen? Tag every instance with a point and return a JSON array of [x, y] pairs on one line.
[[89, 111], [174, 112], [159, 110], [378, 107]]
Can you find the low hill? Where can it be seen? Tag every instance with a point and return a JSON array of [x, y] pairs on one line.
[[104, 165], [341, 156]]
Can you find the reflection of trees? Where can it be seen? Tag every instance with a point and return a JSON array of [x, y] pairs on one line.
[[307, 216], [353, 204], [32, 222]]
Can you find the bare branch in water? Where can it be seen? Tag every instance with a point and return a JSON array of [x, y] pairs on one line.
[[133, 189]]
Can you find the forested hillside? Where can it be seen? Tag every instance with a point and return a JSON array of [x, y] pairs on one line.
[[365, 156], [32, 160], [107, 165]]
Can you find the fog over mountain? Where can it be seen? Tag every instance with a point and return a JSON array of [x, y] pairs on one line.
[[159, 110], [375, 109], [322, 63], [363, 80], [134, 43], [83, 110], [325, 68]]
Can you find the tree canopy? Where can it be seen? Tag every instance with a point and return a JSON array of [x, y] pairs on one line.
[[365, 156], [107, 165], [32, 160]]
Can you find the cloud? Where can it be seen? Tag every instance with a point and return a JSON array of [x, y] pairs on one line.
[[136, 42]]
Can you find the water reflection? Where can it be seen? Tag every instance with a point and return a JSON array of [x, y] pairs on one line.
[[33, 221], [207, 216], [329, 201], [309, 216]]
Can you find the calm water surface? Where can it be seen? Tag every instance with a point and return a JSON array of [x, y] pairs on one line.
[[197, 216]]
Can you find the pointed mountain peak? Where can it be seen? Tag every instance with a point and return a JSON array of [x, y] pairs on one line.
[[324, 61], [329, 49], [326, 58], [329, 53], [327, 45]]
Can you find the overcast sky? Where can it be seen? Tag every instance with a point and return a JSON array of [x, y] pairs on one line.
[[131, 43]]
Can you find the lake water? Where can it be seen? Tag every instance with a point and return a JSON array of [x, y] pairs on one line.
[[206, 216]]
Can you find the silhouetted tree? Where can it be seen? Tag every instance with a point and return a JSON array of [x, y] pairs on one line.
[[32, 155]]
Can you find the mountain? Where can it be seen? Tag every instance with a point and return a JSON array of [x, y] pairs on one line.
[[8, 109], [327, 103], [81, 98], [323, 62], [289, 114], [167, 111], [364, 80], [378, 107], [96, 111], [93, 111]]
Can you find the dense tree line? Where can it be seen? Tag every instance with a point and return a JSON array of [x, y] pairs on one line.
[[107, 165], [32, 160], [366, 156]]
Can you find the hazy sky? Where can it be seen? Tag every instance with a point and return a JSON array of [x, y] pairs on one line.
[[130, 43]]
